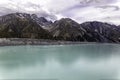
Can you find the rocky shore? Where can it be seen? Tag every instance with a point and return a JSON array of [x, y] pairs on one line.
[[27, 41]]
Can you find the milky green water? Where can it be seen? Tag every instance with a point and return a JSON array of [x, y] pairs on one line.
[[67, 62]]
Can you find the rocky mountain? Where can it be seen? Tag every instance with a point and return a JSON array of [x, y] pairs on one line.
[[67, 29], [22, 25], [101, 32], [40, 20]]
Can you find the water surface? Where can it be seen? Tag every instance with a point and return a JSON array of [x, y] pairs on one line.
[[60, 62]]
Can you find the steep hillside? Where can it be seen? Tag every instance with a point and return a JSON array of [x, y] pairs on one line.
[[21, 25]]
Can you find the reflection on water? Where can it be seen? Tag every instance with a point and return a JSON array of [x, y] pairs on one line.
[[68, 62]]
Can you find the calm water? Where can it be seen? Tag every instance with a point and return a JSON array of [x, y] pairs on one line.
[[77, 62]]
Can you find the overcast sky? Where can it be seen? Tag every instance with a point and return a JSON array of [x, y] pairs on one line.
[[79, 10]]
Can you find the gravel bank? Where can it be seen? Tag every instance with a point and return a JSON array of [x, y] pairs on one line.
[[26, 41]]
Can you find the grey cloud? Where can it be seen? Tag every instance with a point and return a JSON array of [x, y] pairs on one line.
[[87, 3], [46, 15], [4, 9], [112, 17], [115, 8], [96, 2], [76, 7], [29, 4], [80, 10], [41, 12]]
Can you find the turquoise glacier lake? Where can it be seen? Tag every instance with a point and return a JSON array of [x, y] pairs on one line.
[[60, 62]]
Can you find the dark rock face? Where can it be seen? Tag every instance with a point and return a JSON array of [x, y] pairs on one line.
[[67, 29], [22, 25], [101, 32]]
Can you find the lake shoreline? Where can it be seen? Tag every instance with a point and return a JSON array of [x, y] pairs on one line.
[[27, 41]]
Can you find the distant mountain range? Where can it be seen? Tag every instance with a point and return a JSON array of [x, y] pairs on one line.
[[22, 25]]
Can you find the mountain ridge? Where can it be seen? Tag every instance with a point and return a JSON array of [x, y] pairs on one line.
[[22, 25]]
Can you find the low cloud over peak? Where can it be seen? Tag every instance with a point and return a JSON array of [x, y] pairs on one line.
[[79, 10]]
